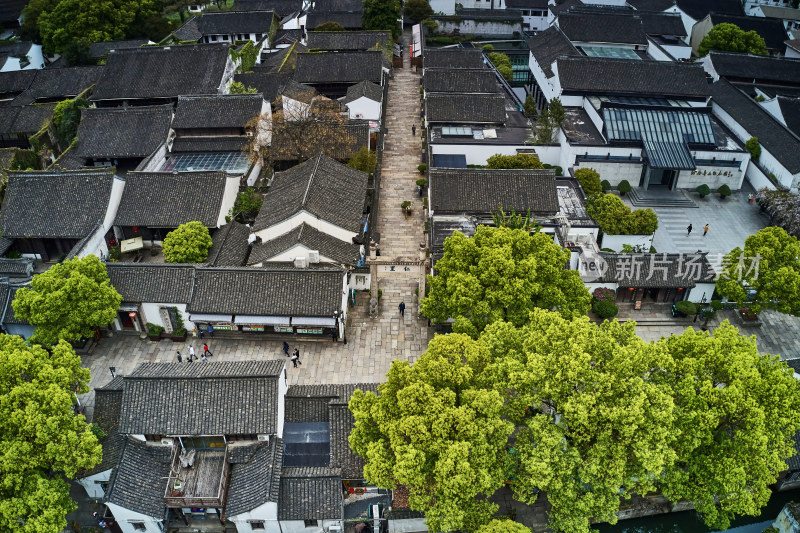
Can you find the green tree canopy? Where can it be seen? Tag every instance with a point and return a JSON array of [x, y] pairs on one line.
[[589, 179], [96, 21], [502, 274], [434, 429], [514, 161], [30, 18], [188, 243], [66, 118], [417, 10], [549, 122], [382, 15], [727, 37], [768, 265], [503, 526], [616, 218], [68, 301], [237, 87], [364, 160], [42, 439]]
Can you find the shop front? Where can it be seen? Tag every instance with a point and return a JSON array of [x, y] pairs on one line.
[[263, 324], [220, 323], [318, 326], [129, 319]]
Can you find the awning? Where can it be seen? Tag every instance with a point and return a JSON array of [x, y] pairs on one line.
[[129, 307], [313, 321], [203, 317], [668, 154], [253, 320]]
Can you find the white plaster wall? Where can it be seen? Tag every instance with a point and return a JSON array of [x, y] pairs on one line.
[[227, 76], [535, 23], [678, 52], [92, 483], [368, 109], [699, 290], [773, 107], [156, 160], [758, 179], [267, 512], [656, 52], [408, 525], [708, 66], [117, 186], [477, 154], [124, 517], [298, 526], [294, 109], [549, 154], [699, 31], [228, 198], [547, 85], [295, 220], [476, 27], [615, 171], [446, 7], [359, 281], [615, 242], [34, 56], [283, 386], [255, 170], [298, 250], [594, 116], [714, 177], [151, 313], [791, 53]]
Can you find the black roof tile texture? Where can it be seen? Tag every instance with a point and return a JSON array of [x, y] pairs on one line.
[[123, 132], [217, 111], [548, 45], [348, 40], [466, 108], [452, 58], [310, 493], [759, 68], [227, 22], [256, 481], [603, 28], [443, 80], [230, 246], [339, 67], [310, 237], [771, 30], [139, 481], [152, 283]]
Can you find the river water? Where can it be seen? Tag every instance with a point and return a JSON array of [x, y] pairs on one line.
[[688, 522]]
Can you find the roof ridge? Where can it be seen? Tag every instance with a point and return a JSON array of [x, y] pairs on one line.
[[311, 179]]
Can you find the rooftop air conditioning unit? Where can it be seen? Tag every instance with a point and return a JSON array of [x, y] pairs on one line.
[[313, 256], [166, 442], [300, 262], [334, 528], [263, 437]]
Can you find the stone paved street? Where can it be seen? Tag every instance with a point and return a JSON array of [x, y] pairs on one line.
[[372, 343]]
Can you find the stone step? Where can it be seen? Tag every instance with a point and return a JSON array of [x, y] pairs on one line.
[[676, 199]]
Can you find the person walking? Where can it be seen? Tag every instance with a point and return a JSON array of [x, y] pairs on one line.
[[180, 359], [295, 358], [688, 230], [191, 352], [206, 351], [189, 359], [705, 230], [286, 348], [414, 130], [203, 358], [402, 308], [210, 330]]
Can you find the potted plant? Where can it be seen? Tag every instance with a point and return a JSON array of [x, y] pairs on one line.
[[154, 331], [406, 207], [422, 168], [421, 183], [624, 187], [179, 333], [724, 191], [605, 185], [703, 190]]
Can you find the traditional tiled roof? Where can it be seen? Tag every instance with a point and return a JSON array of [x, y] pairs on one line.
[[169, 199], [790, 110], [347, 20], [284, 293], [227, 143], [339, 67], [65, 204], [267, 83], [442, 80], [5, 242], [138, 483], [342, 147], [453, 58], [230, 246], [102, 49], [282, 61], [227, 22], [602, 27], [298, 91], [152, 282], [505, 15], [697, 9], [123, 132], [753, 68], [310, 237], [757, 122], [341, 424], [189, 31], [256, 481], [320, 186], [27, 119], [548, 45], [10, 10], [16, 268], [771, 30], [622, 76], [59, 83], [338, 5], [527, 4], [651, 5], [309, 403], [348, 40], [15, 82], [310, 493], [662, 23], [162, 72], [365, 88], [656, 270], [466, 108], [235, 398], [485, 190], [281, 7], [216, 111], [107, 406], [8, 316]]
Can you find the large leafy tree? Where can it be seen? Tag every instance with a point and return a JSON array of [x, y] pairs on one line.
[[95, 21], [68, 301], [417, 10], [382, 15], [503, 526], [592, 427], [736, 412], [768, 265], [436, 430], [514, 161], [188, 243], [42, 440], [30, 18], [502, 274], [728, 37], [616, 218]]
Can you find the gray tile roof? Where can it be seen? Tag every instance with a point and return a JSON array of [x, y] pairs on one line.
[[5, 242], [267, 83], [348, 40], [8, 315], [322, 186], [310, 237], [338, 5], [623, 76], [10, 10], [770, 29], [298, 91], [162, 72], [169, 199], [310, 493], [230, 246], [229, 143], [256, 481], [189, 30], [757, 122], [152, 282], [27, 119], [443, 80], [139, 482], [63, 204], [527, 4], [226, 22], [790, 110], [349, 21], [697, 9], [15, 268], [16, 81], [107, 406], [52, 83], [281, 7], [339, 67], [123, 132], [662, 23], [466, 108], [285, 293], [216, 111], [102, 49], [282, 61], [656, 270], [230, 398], [753, 68], [480, 14], [602, 27], [484, 190], [309, 403], [341, 424], [453, 58], [371, 90]]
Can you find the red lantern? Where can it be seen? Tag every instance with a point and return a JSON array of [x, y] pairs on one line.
[[132, 314]]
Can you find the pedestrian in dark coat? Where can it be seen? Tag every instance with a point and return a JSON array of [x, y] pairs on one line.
[[402, 308], [180, 359], [210, 330], [286, 348], [688, 230], [414, 130]]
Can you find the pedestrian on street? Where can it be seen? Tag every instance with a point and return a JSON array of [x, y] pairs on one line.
[[750, 198], [210, 330], [180, 359], [414, 130], [203, 358], [688, 230], [402, 308], [296, 357], [191, 352], [286, 348], [206, 351], [705, 230]]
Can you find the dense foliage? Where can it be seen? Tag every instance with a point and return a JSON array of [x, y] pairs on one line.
[[188, 243], [783, 207], [417, 10], [514, 161], [549, 122], [382, 15], [237, 87], [248, 204], [589, 180], [67, 118], [503, 64], [616, 218], [728, 37], [364, 160]]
